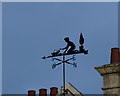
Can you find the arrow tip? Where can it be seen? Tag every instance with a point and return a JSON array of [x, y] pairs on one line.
[[44, 57]]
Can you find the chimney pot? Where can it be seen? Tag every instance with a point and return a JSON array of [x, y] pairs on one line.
[[115, 55], [53, 91], [31, 93], [42, 92]]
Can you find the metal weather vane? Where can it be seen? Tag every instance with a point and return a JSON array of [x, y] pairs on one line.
[[81, 50], [68, 50]]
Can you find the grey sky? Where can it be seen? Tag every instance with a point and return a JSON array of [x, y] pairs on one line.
[[33, 30]]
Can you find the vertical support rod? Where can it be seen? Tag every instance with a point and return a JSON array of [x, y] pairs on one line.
[[63, 75]]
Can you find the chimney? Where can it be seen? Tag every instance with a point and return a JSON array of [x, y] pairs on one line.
[[53, 91], [31, 93], [111, 74], [115, 55], [42, 92]]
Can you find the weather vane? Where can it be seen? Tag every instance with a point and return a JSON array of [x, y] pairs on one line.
[[68, 50]]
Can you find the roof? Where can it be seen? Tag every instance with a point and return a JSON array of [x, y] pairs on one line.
[[70, 90]]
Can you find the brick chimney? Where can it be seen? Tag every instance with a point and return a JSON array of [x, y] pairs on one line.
[[31, 93], [42, 92], [53, 91], [111, 74], [115, 55]]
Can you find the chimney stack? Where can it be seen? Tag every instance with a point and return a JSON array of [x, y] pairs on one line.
[[53, 91], [115, 55], [31, 93], [111, 74], [42, 92]]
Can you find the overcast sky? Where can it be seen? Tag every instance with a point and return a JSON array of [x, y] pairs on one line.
[[33, 30]]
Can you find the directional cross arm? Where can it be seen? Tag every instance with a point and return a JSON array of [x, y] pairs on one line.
[[74, 64], [54, 65], [73, 58], [57, 59]]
